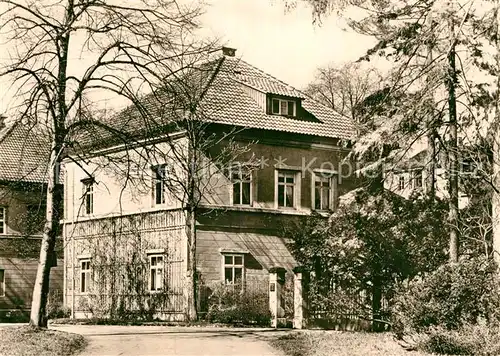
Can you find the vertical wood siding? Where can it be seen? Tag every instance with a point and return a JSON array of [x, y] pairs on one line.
[[118, 248]]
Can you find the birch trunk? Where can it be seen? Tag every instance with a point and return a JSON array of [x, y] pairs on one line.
[[38, 315]]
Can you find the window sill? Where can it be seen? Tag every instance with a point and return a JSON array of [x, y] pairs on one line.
[[284, 211], [233, 250], [324, 213], [155, 251]]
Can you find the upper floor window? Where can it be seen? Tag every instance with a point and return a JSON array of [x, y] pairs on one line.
[[3, 220], [85, 275], [160, 175], [242, 187], [155, 273], [284, 107], [88, 196], [286, 189], [323, 191], [233, 268], [401, 182]]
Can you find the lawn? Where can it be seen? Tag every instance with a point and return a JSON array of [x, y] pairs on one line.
[[28, 341], [337, 343]]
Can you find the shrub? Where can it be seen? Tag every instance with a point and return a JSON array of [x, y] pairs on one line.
[[232, 304], [454, 310], [478, 339], [14, 316], [55, 307], [451, 296]]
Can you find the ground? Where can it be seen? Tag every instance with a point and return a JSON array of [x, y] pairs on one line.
[[338, 343], [23, 340], [182, 341], [162, 340]]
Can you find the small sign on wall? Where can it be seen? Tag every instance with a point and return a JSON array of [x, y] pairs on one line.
[[272, 287]]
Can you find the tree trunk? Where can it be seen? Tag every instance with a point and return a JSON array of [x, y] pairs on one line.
[[191, 264], [453, 150], [376, 304], [430, 184], [38, 315], [496, 148]]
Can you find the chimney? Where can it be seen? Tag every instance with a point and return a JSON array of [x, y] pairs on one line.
[[228, 51], [2, 121]]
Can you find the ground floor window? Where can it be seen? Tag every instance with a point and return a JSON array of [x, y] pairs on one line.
[[85, 275], [234, 268], [156, 273]]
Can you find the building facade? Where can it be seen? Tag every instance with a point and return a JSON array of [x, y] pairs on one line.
[[126, 230], [22, 213]]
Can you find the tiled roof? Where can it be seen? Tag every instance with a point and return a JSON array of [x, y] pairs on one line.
[[23, 154], [225, 101], [219, 88]]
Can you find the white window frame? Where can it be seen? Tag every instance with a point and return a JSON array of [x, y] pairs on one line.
[[332, 180], [233, 266], [281, 103], [2, 282], [296, 188], [3, 220], [401, 181], [85, 274], [159, 272], [159, 178], [88, 196], [244, 176]]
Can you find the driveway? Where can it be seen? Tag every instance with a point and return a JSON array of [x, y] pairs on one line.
[[164, 340]]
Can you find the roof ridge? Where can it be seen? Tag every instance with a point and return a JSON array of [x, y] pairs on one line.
[[270, 75]]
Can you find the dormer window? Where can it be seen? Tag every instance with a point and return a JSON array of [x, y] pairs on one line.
[[284, 107]]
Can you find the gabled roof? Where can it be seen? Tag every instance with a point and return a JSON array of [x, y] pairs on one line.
[[24, 154]]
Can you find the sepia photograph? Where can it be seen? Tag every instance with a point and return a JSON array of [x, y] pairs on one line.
[[249, 177]]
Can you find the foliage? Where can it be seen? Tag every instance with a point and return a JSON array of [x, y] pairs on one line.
[[232, 304], [373, 239], [14, 316], [475, 339], [119, 287], [55, 307], [450, 297]]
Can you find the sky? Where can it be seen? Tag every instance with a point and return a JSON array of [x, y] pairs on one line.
[[285, 44]]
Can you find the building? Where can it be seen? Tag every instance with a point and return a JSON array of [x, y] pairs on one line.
[[126, 234], [22, 213], [409, 175]]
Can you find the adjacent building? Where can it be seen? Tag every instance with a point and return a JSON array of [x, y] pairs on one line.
[[22, 213]]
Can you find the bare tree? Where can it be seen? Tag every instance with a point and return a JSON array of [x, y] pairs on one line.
[[443, 41], [128, 48], [344, 88]]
